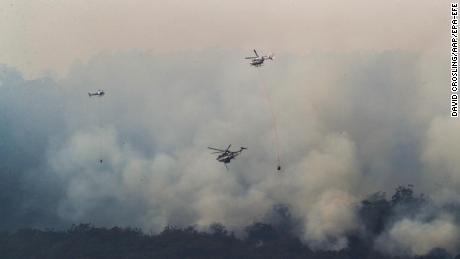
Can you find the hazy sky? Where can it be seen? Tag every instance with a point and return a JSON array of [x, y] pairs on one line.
[[363, 108], [44, 35]]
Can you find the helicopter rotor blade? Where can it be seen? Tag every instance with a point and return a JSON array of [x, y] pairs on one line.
[[220, 150]]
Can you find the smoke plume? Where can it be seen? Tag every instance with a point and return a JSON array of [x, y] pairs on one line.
[[349, 125]]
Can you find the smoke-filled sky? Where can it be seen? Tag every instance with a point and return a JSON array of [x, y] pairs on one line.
[[359, 90], [49, 35]]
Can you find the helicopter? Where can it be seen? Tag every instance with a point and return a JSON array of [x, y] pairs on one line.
[[225, 156], [258, 61], [99, 93]]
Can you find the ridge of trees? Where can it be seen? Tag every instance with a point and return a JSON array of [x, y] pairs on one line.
[[276, 238]]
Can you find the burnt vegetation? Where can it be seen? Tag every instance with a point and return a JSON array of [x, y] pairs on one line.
[[277, 236]]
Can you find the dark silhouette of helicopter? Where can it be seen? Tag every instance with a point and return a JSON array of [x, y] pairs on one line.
[[225, 156], [99, 93]]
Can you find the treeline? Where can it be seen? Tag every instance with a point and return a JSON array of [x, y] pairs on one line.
[[276, 238]]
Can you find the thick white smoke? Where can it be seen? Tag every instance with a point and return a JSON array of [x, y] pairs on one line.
[[349, 125], [411, 237]]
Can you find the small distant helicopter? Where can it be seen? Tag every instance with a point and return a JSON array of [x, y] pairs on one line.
[[225, 156], [99, 93], [258, 61]]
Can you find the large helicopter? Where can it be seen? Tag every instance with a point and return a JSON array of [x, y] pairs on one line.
[[258, 61], [225, 156]]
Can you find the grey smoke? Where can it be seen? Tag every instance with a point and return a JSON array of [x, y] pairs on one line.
[[411, 237], [349, 125]]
